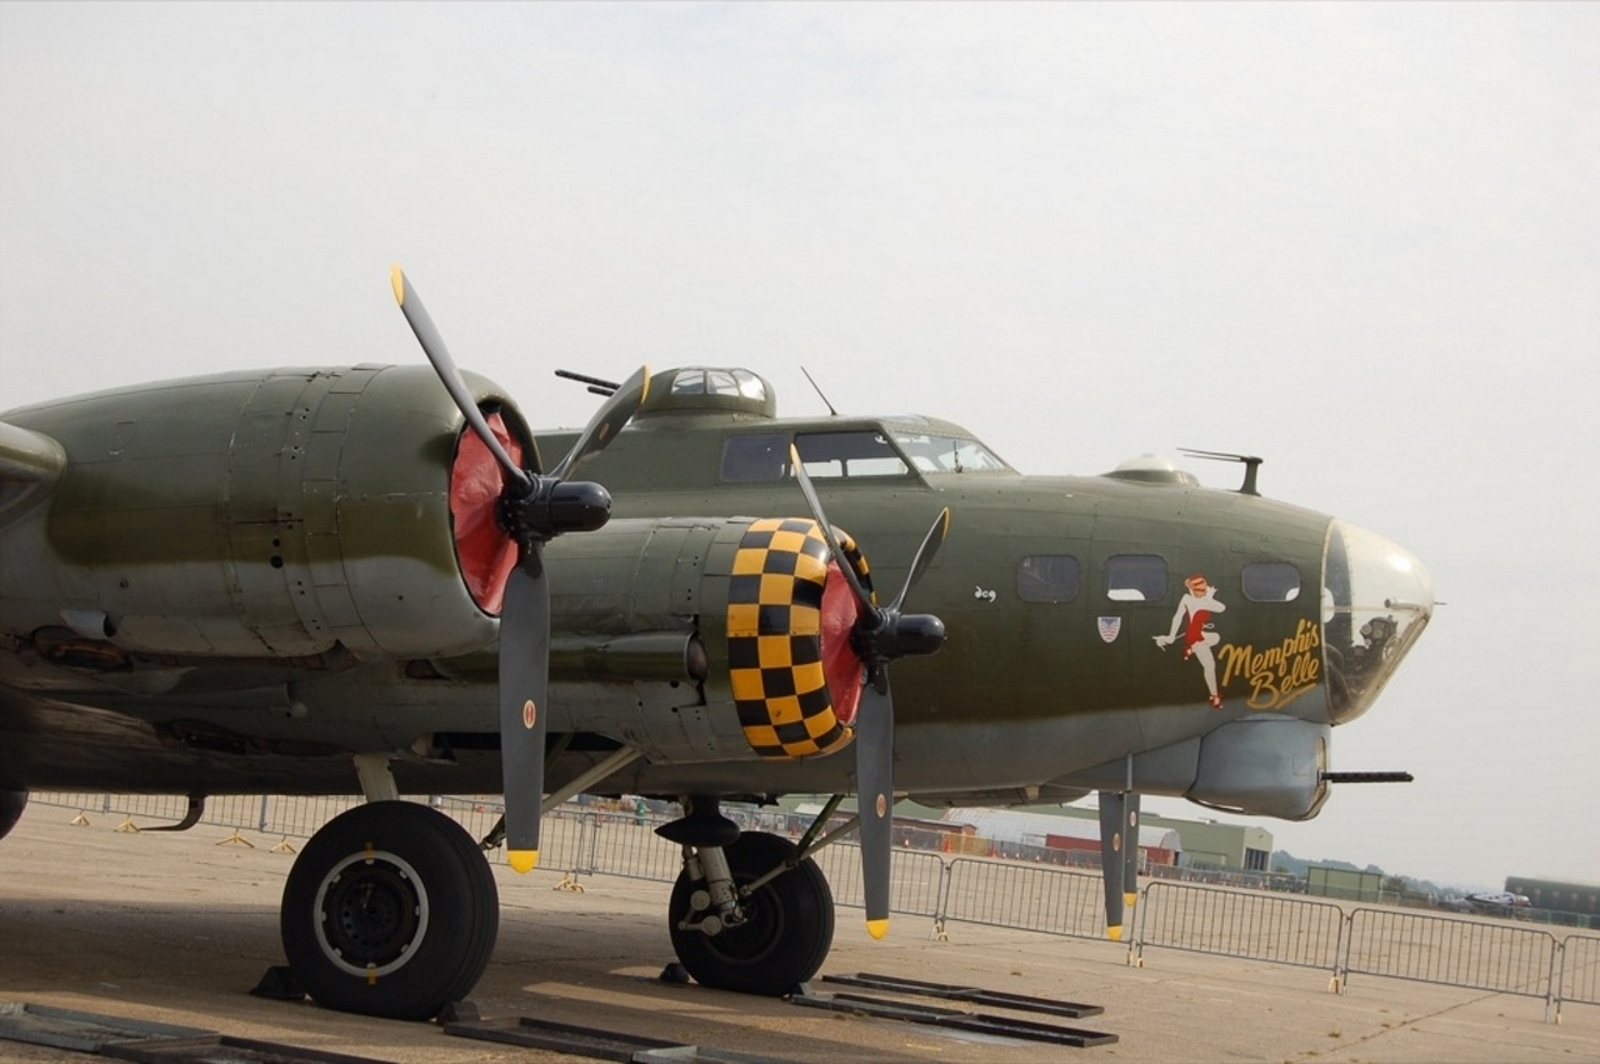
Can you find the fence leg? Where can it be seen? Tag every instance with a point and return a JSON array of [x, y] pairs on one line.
[[592, 821], [1135, 957], [1341, 970], [570, 880], [942, 905]]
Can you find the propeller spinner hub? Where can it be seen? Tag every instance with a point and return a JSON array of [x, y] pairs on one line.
[[907, 635], [556, 507], [578, 506]]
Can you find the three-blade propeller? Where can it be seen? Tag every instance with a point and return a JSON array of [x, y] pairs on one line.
[[533, 509], [881, 635]]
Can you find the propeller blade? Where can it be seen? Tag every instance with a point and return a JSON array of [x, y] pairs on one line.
[[433, 346], [524, 681], [889, 635], [1113, 862], [1130, 854], [925, 555], [810, 492], [532, 509], [875, 801], [614, 413]]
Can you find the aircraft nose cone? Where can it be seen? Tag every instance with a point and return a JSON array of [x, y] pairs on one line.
[[1376, 600]]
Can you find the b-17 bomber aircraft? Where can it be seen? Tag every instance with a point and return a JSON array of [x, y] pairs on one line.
[[366, 579]]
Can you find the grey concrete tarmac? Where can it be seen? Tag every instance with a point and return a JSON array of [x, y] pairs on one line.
[[175, 928]]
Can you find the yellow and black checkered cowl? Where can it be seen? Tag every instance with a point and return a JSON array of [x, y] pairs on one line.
[[775, 640]]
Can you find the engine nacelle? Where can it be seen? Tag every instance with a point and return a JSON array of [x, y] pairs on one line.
[[733, 634], [276, 514]]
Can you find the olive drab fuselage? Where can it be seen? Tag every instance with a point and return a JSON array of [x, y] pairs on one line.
[[239, 583]]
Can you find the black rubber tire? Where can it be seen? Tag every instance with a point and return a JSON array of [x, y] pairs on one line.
[[391, 910], [788, 932], [12, 803]]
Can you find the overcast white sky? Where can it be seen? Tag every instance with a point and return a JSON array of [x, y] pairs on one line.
[[1361, 240]]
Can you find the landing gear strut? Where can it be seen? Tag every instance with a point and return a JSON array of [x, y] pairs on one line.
[[391, 910], [737, 926]]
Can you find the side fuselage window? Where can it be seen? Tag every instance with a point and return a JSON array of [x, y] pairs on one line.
[[1270, 582], [1048, 578], [1136, 577]]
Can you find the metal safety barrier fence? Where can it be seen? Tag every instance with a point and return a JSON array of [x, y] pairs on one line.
[[1022, 896], [581, 840], [1477, 954], [1268, 927], [1579, 980]]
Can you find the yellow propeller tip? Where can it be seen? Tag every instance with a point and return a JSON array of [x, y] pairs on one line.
[[1130, 900], [397, 278], [878, 928], [523, 861], [1114, 933]]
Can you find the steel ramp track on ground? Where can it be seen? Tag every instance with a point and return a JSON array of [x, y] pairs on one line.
[[995, 998], [86, 1032], [596, 1043], [148, 1043], [953, 1019], [225, 1049]]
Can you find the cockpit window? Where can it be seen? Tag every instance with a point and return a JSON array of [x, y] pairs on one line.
[[861, 453], [1136, 577], [740, 382], [758, 457], [1048, 578], [1271, 582], [849, 454], [947, 454]]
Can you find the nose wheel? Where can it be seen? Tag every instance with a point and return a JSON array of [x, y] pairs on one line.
[[779, 934]]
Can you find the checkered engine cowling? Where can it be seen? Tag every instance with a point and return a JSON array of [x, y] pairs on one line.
[[794, 676]]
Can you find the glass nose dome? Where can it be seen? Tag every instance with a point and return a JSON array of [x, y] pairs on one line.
[[1376, 600]]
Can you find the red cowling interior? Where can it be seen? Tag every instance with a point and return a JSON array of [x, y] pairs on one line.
[[486, 554], [840, 665]]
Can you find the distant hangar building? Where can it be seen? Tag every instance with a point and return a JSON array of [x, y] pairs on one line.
[[1029, 828], [1204, 843], [1558, 895]]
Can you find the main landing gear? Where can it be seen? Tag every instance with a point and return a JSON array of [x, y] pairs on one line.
[[390, 910], [748, 913]]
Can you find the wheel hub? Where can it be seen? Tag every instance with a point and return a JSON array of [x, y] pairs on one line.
[[372, 910]]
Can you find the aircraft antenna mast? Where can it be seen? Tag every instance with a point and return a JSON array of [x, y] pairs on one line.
[[831, 411]]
